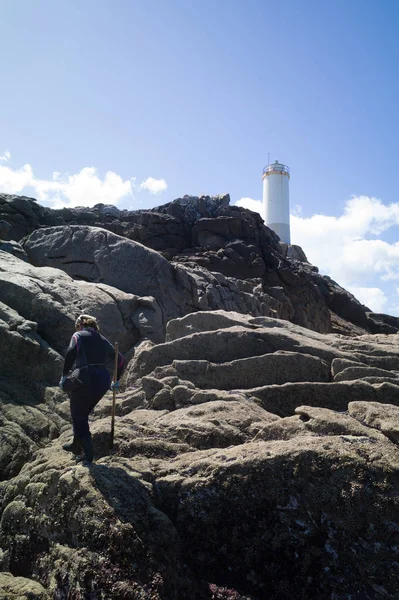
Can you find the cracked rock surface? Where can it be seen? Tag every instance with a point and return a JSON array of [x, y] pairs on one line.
[[254, 458]]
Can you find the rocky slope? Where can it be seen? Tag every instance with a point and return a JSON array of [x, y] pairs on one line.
[[256, 447], [215, 250]]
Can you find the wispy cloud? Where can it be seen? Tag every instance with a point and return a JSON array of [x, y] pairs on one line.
[[6, 156], [85, 188], [154, 186]]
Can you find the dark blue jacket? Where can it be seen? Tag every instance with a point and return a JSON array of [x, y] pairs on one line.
[[89, 348]]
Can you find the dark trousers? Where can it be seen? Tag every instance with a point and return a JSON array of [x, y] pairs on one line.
[[84, 399]]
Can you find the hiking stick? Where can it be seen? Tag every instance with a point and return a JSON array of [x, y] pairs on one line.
[[114, 395]]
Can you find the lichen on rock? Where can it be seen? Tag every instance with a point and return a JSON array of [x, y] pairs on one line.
[[256, 433]]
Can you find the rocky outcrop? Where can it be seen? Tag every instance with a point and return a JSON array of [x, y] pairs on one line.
[[256, 450], [214, 492], [96, 255], [20, 588], [23, 215], [215, 484], [220, 239], [276, 364], [52, 300], [38, 308]]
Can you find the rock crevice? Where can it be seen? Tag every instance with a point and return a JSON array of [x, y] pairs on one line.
[[256, 434]]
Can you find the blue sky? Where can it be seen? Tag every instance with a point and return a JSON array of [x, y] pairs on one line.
[[139, 102]]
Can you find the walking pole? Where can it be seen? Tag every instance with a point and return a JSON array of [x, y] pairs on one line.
[[114, 395]]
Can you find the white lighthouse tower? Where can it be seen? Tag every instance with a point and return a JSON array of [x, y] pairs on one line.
[[276, 199]]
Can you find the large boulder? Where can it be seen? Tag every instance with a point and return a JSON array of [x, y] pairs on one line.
[[90, 530], [255, 371], [38, 308], [98, 256], [21, 588], [51, 299], [233, 343], [272, 518]]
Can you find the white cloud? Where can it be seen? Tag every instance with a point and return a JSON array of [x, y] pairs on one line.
[[394, 308], [85, 188], [372, 297], [255, 205], [6, 156], [13, 182], [341, 247], [154, 186]]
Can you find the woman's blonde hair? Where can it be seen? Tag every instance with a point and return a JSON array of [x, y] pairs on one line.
[[87, 321]]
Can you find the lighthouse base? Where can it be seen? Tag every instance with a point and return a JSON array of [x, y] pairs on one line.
[[282, 230]]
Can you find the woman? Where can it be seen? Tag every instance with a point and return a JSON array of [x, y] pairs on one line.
[[90, 351]]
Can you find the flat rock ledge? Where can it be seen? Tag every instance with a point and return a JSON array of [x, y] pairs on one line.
[[256, 434], [243, 467]]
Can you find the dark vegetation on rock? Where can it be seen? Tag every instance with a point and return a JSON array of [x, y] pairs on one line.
[[256, 448]]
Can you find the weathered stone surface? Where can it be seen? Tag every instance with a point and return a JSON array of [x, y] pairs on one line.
[[202, 290], [217, 424], [27, 354], [242, 248], [353, 373], [280, 535], [16, 449], [97, 529], [184, 395], [96, 255], [284, 399], [209, 321], [310, 306], [275, 368], [338, 300], [384, 417], [151, 386], [253, 457], [232, 343], [20, 588], [28, 419], [5, 228], [52, 300], [24, 215], [236, 259], [374, 351], [13, 248], [340, 364]]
